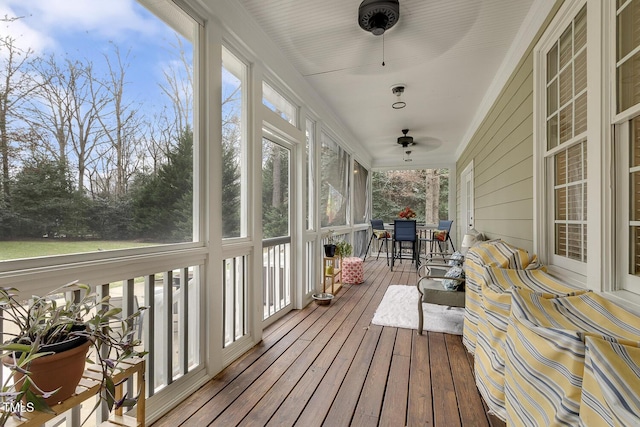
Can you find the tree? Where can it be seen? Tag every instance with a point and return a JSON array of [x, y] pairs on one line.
[[275, 194], [160, 202], [44, 200], [69, 103], [231, 186], [178, 85], [231, 158], [16, 85], [432, 199], [120, 126], [425, 191]]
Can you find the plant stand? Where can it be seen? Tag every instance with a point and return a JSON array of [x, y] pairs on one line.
[[89, 386], [331, 274]]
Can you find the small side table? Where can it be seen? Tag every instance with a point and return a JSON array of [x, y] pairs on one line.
[[332, 273]]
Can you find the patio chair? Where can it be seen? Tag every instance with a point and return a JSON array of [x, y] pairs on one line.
[[381, 235], [441, 283], [404, 231], [440, 236]]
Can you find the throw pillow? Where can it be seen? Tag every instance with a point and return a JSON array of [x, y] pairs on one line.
[[381, 234], [454, 285], [440, 235], [456, 259]]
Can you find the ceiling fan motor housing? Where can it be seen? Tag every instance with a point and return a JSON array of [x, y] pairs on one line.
[[377, 16], [405, 141]]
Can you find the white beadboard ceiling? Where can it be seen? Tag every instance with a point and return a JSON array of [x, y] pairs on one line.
[[446, 52]]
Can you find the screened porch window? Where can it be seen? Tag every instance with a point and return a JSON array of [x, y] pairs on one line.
[[234, 151], [310, 180], [360, 194], [280, 105], [101, 139], [334, 192]]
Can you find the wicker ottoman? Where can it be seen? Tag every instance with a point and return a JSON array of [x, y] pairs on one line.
[[352, 271]]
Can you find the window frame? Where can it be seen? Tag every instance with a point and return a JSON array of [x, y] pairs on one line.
[[246, 173], [599, 269], [623, 284], [45, 267]]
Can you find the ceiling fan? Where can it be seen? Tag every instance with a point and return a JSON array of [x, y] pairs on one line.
[[377, 16], [406, 142]]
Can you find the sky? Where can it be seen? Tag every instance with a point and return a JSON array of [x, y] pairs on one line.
[[87, 29]]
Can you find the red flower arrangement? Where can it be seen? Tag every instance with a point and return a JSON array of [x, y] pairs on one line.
[[407, 213]]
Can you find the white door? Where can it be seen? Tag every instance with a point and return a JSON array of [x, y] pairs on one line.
[[276, 228]]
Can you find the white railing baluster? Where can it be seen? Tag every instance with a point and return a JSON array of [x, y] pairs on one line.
[[149, 337], [234, 305], [167, 326], [128, 308], [184, 321], [276, 275], [102, 414]]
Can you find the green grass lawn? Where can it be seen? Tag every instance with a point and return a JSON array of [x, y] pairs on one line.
[[45, 247]]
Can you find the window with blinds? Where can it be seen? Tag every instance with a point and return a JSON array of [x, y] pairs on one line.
[[566, 137], [634, 198], [627, 97], [628, 54]]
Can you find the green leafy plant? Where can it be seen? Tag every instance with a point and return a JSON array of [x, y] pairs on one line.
[[344, 249], [49, 320]]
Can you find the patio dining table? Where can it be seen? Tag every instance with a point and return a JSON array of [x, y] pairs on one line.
[[423, 230]]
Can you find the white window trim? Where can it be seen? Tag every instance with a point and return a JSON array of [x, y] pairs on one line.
[[599, 209], [467, 203]]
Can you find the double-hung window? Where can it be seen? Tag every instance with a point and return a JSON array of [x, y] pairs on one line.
[[587, 143], [562, 143], [627, 131]]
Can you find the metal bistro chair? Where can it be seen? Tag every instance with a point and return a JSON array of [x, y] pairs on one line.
[[404, 231], [382, 235], [440, 283], [439, 236]]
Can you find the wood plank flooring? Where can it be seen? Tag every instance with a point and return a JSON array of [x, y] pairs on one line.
[[328, 366]]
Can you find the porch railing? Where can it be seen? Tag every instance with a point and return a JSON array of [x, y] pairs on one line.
[[276, 275], [170, 327]]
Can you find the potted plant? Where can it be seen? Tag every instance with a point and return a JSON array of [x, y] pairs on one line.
[[49, 330], [330, 247], [344, 249]]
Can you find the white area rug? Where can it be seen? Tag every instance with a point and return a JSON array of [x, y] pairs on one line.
[[399, 308]]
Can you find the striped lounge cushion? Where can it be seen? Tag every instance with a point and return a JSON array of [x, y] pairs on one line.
[[493, 321], [611, 384], [495, 253], [545, 353]]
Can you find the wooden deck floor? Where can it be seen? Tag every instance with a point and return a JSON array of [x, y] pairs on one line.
[[327, 365]]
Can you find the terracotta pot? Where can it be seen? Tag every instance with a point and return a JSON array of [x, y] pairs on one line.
[[62, 370]]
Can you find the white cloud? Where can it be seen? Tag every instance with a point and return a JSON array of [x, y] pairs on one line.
[[44, 19], [24, 35]]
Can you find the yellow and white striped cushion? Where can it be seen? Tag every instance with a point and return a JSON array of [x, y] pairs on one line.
[[611, 384], [545, 353], [493, 321], [496, 253]]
